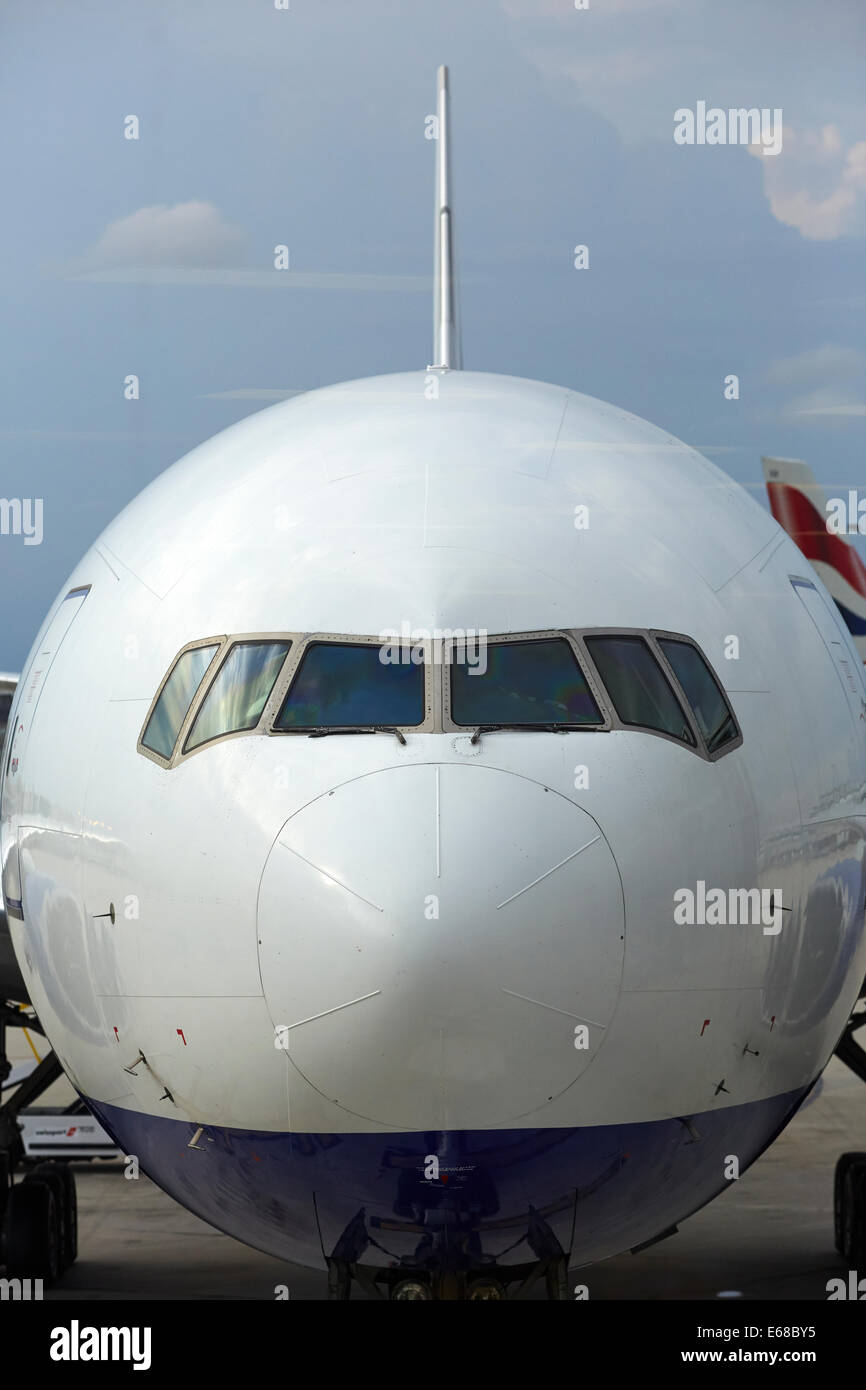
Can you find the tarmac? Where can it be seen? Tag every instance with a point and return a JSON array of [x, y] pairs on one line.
[[769, 1236]]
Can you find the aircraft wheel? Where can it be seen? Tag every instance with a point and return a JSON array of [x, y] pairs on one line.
[[416, 1290], [71, 1213], [485, 1288], [854, 1213], [32, 1232], [842, 1167], [62, 1181]]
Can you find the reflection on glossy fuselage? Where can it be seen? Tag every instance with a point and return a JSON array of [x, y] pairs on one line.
[[427, 1002]]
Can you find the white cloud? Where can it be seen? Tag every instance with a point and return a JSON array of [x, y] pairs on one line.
[[815, 185], [834, 376], [192, 244], [240, 277], [620, 71], [822, 364], [636, 62], [192, 235], [828, 402]]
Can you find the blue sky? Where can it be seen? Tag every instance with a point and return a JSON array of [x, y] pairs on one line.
[[261, 126]]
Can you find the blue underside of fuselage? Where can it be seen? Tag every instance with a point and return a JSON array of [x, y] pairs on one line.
[[505, 1195]]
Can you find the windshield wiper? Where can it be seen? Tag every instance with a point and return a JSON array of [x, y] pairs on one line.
[[532, 728], [370, 729]]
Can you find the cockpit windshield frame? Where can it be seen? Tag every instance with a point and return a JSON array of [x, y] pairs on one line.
[[437, 688], [225, 644], [450, 654], [221, 644], [737, 738], [298, 642], [649, 636], [341, 639]]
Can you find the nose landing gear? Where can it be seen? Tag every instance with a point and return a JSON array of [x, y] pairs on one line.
[[507, 1282], [443, 1269]]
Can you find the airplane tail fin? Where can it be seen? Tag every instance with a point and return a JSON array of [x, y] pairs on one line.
[[447, 349], [799, 505]]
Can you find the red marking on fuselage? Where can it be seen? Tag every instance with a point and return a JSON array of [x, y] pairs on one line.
[[116, 1036], [180, 1035], [706, 1025]]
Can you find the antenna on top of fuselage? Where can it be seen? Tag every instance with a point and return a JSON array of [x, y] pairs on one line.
[[447, 352]]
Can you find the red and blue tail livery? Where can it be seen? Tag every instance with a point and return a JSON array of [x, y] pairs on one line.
[[800, 505]]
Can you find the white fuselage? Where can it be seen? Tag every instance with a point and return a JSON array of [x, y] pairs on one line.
[[415, 916]]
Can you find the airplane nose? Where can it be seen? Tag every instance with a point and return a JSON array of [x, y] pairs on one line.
[[443, 942]]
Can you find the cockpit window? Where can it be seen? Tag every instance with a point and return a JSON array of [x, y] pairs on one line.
[[592, 679], [534, 682], [175, 699], [240, 691], [348, 686], [638, 687], [711, 709]]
